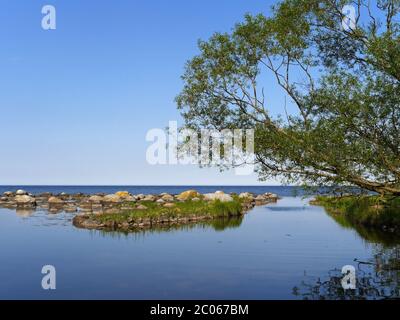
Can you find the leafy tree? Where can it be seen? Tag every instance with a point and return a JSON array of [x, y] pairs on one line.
[[344, 83]]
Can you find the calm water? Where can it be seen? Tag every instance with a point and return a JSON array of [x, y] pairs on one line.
[[279, 251]]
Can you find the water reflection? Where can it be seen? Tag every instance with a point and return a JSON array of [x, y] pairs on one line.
[[377, 278], [220, 224], [24, 213], [369, 234]]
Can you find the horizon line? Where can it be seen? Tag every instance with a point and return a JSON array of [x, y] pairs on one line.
[[141, 185]]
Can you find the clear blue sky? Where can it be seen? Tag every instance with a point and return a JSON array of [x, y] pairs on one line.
[[76, 102]]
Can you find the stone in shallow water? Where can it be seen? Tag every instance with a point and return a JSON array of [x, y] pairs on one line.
[[21, 192], [25, 201], [55, 200]]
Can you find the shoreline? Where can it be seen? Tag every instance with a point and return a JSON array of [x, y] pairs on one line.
[[368, 211], [125, 211]]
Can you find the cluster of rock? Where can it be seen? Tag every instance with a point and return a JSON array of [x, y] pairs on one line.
[[120, 201]]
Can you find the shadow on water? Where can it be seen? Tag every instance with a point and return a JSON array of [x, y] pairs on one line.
[[220, 224], [377, 278]]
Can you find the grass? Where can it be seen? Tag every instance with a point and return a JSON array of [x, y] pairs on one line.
[[371, 211], [216, 209]]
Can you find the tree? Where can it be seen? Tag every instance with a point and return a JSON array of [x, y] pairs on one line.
[[344, 83]]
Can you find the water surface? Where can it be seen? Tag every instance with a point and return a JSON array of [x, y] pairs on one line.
[[278, 251]]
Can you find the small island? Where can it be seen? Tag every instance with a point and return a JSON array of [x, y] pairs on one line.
[[124, 211]]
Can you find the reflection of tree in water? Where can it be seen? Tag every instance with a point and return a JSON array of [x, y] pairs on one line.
[[220, 224], [377, 278]]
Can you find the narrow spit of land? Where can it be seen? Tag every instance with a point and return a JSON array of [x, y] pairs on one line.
[[125, 211]]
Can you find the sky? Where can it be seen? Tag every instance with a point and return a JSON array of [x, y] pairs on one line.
[[76, 102]]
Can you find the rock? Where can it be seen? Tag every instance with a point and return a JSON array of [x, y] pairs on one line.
[[167, 197], [246, 195], [3, 199], [169, 205], [160, 201], [219, 195], [266, 198], [140, 196], [55, 200], [149, 197], [112, 198], [272, 196], [189, 194], [97, 208], [85, 221], [129, 198], [25, 200], [260, 198], [123, 194], [196, 199], [96, 199], [141, 207], [21, 193], [8, 194]]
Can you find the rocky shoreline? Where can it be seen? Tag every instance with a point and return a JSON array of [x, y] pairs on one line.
[[89, 208]]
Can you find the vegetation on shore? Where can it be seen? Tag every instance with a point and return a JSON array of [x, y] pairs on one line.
[[372, 211], [180, 209], [147, 214]]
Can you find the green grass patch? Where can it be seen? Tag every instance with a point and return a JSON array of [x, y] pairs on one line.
[[374, 211], [188, 208]]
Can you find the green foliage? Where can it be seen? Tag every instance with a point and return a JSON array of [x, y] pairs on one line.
[[215, 209], [369, 211], [345, 85]]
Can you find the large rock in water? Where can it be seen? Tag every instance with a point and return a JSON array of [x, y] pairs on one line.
[[54, 201], [25, 201], [218, 195], [21, 193], [189, 194]]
